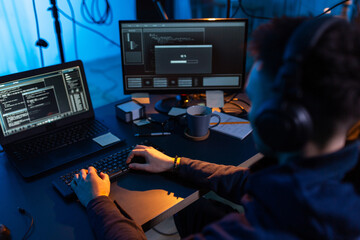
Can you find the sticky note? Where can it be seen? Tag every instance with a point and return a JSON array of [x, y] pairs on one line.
[[215, 99], [142, 98]]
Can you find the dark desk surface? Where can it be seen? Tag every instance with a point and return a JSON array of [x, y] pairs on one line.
[[148, 198]]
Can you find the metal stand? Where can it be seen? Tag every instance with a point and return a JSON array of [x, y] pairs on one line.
[[57, 27]]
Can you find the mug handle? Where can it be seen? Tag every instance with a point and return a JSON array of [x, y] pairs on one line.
[[215, 115]]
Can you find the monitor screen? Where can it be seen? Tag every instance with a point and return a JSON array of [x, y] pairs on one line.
[[183, 56]]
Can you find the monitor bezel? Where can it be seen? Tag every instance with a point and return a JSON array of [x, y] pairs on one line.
[[186, 90]]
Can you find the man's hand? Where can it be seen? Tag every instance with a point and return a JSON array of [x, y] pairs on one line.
[[155, 161], [88, 185]]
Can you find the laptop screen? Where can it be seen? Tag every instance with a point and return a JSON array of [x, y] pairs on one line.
[[30, 102]]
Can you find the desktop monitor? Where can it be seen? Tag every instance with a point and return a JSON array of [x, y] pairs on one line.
[[183, 56]]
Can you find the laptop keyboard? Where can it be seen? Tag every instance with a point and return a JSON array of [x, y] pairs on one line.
[[62, 138], [113, 164]]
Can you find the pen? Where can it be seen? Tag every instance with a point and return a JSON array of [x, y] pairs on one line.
[[153, 134], [246, 122]]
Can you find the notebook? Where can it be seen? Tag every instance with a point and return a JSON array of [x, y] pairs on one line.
[[47, 118]]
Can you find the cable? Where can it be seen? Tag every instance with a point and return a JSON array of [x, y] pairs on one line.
[[115, 84], [239, 106], [26, 213], [165, 234], [74, 28], [243, 112], [228, 8], [39, 43], [268, 18], [233, 111], [329, 9], [226, 101], [236, 10], [249, 15], [237, 99], [90, 17], [160, 9], [86, 27], [241, 100]]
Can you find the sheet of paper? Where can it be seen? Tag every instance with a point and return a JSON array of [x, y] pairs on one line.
[[233, 126], [214, 99], [141, 122], [175, 111]]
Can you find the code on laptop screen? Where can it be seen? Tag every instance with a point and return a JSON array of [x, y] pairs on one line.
[[31, 102]]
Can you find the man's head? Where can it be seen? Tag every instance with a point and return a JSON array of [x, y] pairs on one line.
[[327, 77]]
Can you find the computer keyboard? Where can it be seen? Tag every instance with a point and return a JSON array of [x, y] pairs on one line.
[[113, 164], [60, 139]]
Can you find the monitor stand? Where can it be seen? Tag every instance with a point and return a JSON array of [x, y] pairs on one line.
[[180, 101]]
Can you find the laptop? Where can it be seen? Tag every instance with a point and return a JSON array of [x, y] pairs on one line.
[[47, 118]]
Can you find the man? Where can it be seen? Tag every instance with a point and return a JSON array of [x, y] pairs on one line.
[[307, 194]]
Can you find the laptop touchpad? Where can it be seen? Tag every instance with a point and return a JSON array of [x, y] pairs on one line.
[[106, 139]]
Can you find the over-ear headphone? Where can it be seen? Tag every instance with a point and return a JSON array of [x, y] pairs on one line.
[[283, 123]]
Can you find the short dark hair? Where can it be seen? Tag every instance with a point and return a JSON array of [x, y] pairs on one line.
[[330, 78]]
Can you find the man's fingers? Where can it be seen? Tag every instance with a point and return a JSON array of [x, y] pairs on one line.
[[83, 173], [104, 176], [139, 166], [135, 152], [73, 184], [92, 173], [92, 169], [128, 160], [140, 147]]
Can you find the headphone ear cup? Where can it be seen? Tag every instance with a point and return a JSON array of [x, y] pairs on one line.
[[283, 126]]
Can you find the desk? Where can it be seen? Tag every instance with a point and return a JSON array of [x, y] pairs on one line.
[[148, 198]]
